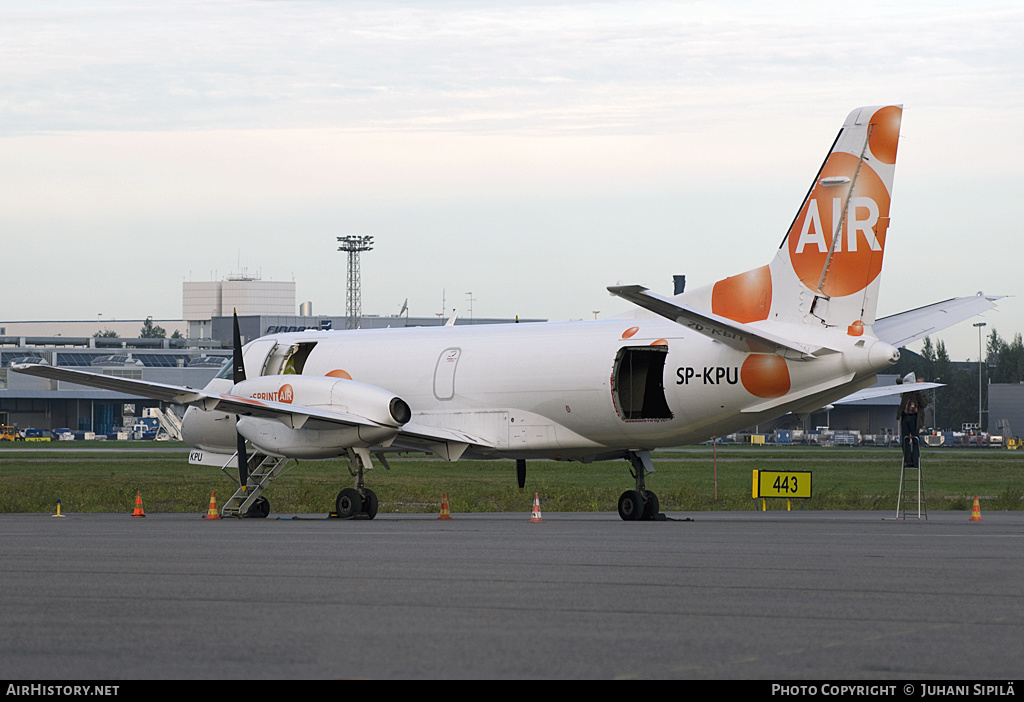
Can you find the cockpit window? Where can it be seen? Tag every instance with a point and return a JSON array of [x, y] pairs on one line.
[[270, 358], [225, 370]]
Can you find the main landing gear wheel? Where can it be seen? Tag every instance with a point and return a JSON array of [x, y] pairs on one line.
[[651, 507], [641, 503], [370, 503], [358, 501], [349, 503], [631, 506], [260, 508], [637, 505]]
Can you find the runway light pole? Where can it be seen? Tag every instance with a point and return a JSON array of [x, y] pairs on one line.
[[979, 325]]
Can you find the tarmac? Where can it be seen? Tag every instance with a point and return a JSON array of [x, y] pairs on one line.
[[738, 595]]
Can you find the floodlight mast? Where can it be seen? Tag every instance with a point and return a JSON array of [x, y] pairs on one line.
[[353, 245], [979, 325]]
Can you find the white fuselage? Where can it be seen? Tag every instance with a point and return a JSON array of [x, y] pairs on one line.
[[574, 390]]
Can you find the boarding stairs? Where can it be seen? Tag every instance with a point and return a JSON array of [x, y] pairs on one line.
[[170, 423], [263, 470], [911, 488]]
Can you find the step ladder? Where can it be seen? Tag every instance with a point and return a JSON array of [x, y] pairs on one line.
[[263, 471], [911, 481]]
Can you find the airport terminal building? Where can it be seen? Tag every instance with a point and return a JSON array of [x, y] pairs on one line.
[[39, 403], [193, 358]]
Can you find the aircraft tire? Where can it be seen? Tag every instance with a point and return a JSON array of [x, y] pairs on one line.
[[651, 507], [260, 508], [349, 503], [370, 503], [631, 506]]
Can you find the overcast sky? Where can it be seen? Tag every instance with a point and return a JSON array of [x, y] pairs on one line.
[[528, 153]]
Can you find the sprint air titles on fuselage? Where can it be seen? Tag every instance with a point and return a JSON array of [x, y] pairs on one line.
[[283, 394]]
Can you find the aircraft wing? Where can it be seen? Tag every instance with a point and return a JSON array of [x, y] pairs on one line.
[[291, 415], [734, 334], [157, 391], [910, 326]]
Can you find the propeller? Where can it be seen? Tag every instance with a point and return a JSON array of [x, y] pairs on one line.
[[237, 376], [521, 473]]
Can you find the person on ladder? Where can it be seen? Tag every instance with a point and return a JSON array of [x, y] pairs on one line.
[[911, 417]]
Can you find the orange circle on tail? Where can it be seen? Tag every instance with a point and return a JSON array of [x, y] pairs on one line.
[[857, 259], [885, 133]]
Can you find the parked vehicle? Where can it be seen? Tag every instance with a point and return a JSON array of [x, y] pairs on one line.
[[36, 435]]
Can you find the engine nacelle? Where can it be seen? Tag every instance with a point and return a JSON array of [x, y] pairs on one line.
[[275, 439], [210, 431], [315, 440], [330, 394]]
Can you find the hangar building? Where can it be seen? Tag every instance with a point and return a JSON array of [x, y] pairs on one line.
[[1006, 407], [49, 404]]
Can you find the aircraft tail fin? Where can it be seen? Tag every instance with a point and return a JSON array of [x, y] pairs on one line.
[[827, 270]]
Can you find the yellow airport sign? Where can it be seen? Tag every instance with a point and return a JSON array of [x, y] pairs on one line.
[[773, 483]]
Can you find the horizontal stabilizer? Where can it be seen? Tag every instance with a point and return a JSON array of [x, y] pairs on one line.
[[907, 327], [733, 334], [885, 391]]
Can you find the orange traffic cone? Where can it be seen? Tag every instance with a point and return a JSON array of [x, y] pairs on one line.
[[976, 511], [138, 506], [444, 507], [212, 512], [536, 509]]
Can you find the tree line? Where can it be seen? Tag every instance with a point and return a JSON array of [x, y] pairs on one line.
[[956, 404], [148, 331]]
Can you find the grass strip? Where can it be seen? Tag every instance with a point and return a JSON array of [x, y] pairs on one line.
[[91, 480]]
